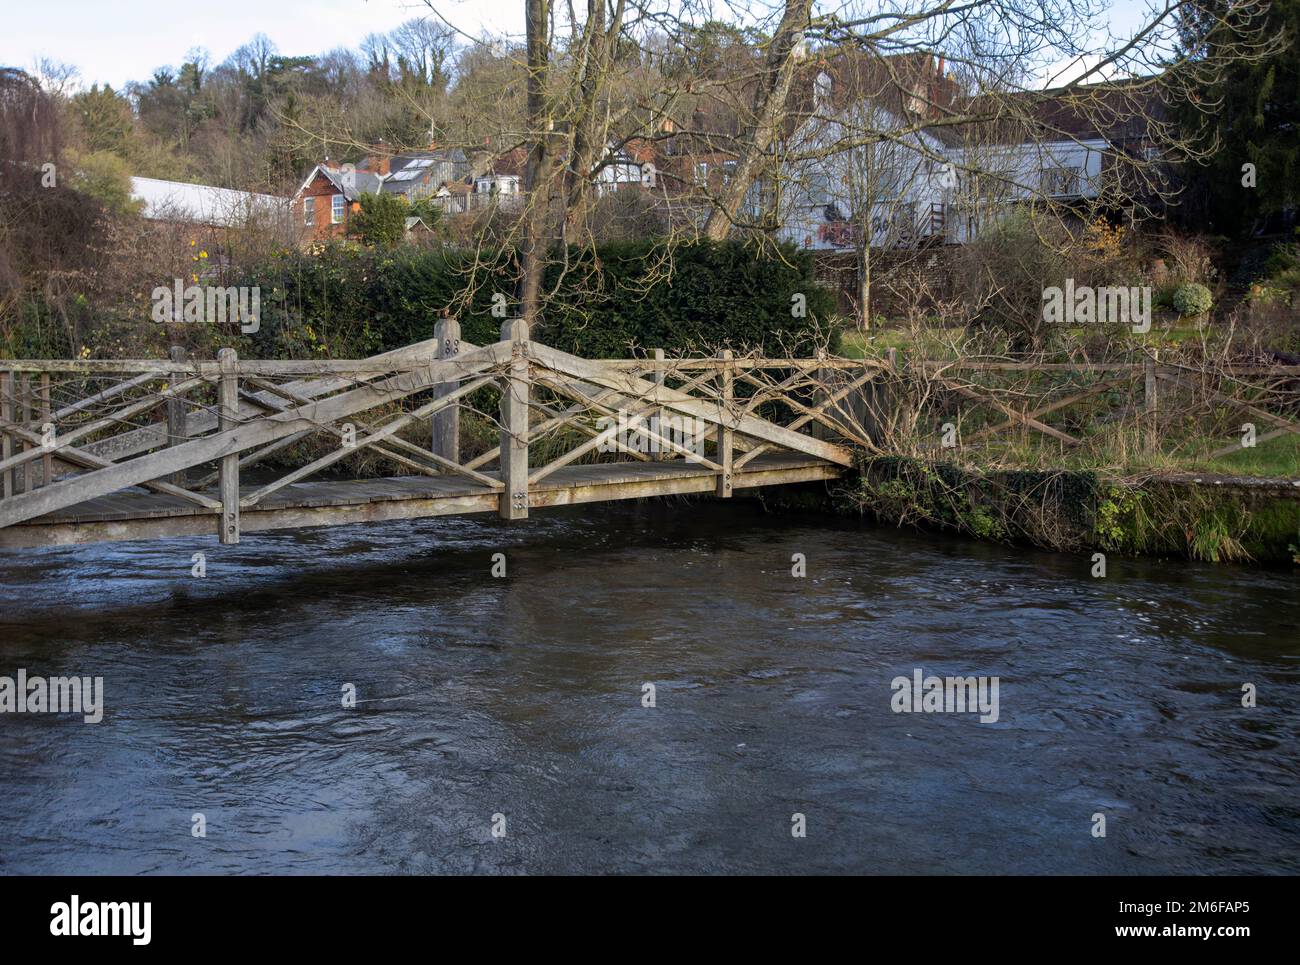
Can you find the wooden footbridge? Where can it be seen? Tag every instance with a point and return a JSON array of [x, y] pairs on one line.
[[120, 450]]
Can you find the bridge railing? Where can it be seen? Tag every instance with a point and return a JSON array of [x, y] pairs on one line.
[[191, 430], [230, 435]]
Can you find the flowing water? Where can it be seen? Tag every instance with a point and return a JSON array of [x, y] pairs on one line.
[[517, 703]]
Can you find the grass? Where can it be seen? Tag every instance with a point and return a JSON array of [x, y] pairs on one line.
[[1274, 458], [855, 344], [935, 343]]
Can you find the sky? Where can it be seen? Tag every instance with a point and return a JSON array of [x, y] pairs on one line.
[[114, 41]]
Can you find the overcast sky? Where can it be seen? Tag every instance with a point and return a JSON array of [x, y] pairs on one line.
[[113, 41]]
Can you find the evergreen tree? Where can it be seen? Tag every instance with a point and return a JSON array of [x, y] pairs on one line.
[[1253, 111], [382, 220]]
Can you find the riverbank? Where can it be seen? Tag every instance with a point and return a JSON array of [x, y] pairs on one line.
[[1196, 516]]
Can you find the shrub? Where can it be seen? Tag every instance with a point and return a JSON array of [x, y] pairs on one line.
[[105, 177], [1192, 299], [1001, 274], [381, 220], [1001, 277], [1282, 269], [1188, 259], [685, 299]]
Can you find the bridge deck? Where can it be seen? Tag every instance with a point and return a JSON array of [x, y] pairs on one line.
[[138, 514]]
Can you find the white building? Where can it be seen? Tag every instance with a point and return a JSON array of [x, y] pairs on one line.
[[875, 167], [206, 205]]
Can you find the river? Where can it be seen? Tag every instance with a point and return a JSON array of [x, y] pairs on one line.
[[500, 726]]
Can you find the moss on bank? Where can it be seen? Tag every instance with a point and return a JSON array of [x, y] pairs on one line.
[[1074, 510]]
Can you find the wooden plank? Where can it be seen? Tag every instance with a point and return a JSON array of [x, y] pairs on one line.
[[446, 423], [30, 451], [176, 409], [514, 422], [445, 464], [66, 440], [228, 483], [726, 437], [6, 417], [546, 424], [110, 393], [642, 428], [658, 377], [400, 359], [47, 460], [124, 516]]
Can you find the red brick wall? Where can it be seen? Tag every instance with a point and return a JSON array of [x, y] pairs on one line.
[[320, 193]]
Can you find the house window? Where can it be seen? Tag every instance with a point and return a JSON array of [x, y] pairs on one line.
[[336, 209], [309, 211]]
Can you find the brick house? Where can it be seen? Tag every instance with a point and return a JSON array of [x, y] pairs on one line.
[[324, 206]]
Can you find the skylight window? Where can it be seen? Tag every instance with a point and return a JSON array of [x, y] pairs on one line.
[[413, 169]]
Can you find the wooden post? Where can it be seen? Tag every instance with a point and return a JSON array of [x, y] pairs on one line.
[[24, 417], [819, 395], [446, 423], [228, 402], [726, 437], [514, 423], [7, 415], [47, 460], [176, 410], [1149, 415], [658, 379]]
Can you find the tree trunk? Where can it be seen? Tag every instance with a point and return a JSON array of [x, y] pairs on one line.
[[769, 110], [589, 133], [532, 250], [864, 278]]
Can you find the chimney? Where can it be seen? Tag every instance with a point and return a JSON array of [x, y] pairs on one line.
[[380, 159], [332, 165]]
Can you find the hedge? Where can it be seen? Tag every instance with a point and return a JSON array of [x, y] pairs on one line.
[[693, 297]]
